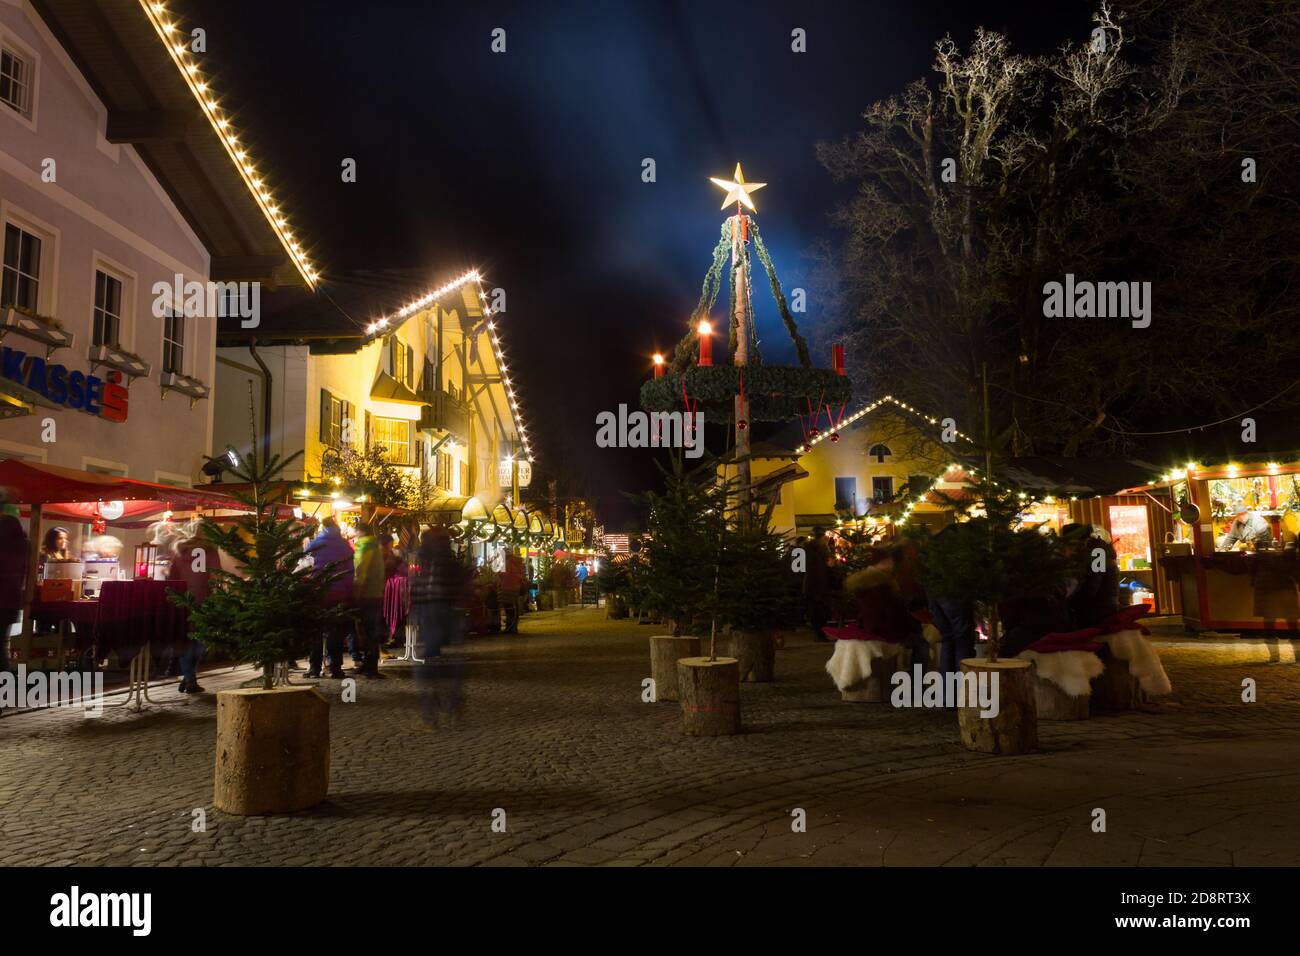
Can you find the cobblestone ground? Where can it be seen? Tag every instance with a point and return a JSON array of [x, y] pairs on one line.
[[554, 732]]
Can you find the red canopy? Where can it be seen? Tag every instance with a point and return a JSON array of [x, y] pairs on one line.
[[31, 483]]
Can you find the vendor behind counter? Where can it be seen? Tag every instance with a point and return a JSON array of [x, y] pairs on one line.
[[1248, 529]]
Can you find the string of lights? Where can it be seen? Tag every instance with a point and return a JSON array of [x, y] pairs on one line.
[[405, 312], [868, 409], [164, 23]]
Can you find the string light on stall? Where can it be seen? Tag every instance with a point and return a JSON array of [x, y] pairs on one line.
[[165, 26]]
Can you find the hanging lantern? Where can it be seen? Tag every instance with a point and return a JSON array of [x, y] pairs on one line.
[[145, 556]]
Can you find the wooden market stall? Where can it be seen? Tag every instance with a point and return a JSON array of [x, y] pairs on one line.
[[1238, 584]]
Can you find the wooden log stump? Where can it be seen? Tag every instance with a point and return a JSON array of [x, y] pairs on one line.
[[1053, 703], [1116, 688], [710, 693], [273, 750], [876, 688], [1014, 730], [756, 652], [665, 652]]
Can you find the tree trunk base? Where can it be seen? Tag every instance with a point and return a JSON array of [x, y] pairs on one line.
[[665, 652], [710, 693], [1053, 703], [876, 688], [756, 653], [273, 750], [1116, 688], [1014, 729]]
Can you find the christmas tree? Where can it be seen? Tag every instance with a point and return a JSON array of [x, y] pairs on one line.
[[267, 612]]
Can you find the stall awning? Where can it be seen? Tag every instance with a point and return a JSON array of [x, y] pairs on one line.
[[453, 510], [32, 483]]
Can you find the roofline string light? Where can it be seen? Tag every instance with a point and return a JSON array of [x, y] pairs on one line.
[[473, 275], [867, 409], [165, 26]]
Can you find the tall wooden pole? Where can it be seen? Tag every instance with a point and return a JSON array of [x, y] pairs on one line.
[[739, 236]]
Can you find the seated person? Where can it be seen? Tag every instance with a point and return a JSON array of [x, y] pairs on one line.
[[1093, 589], [882, 611]]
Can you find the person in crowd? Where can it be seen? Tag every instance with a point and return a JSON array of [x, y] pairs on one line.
[[817, 583], [509, 583], [330, 553], [368, 593], [955, 619], [15, 557], [882, 609], [435, 591], [54, 546], [1247, 526], [394, 569], [192, 563], [1092, 593]]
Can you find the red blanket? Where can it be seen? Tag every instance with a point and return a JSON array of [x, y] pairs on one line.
[[854, 632], [1068, 641], [1127, 619]]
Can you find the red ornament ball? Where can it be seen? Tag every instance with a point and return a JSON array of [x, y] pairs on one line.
[[815, 432], [742, 425], [835, 437]]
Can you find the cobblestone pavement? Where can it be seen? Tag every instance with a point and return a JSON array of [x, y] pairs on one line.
[[554, 732]]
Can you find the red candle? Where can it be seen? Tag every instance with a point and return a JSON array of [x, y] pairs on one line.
[[837, 359], [706, 343], [659, 365]]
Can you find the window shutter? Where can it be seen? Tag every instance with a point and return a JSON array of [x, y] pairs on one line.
[[367, 445], [324, 417], [410, 366]]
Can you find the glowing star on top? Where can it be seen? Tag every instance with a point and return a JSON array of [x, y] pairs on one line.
[[738, 190]]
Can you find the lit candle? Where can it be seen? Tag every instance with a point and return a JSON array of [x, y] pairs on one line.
[[659, 365], [706, 343]]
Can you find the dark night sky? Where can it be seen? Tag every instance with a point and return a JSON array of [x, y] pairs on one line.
[[528, 164]]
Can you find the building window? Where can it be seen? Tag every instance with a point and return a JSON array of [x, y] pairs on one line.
[[846, 494], [393, 435], [335, 420], [22, 269], [108, 311], [401, 362], [879, 452], [15, 82], [442, 472], [882, 490], [173, 343]]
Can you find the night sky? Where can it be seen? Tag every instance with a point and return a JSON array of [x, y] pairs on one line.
[[527, 164]]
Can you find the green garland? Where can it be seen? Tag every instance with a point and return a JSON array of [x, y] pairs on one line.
[[799, 344], [775, 392], [687, 352]]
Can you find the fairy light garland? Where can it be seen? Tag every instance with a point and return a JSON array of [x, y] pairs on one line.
[[868, 409], [164, 25], [405, 312]]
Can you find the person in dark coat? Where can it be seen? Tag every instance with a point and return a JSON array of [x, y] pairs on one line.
[[955, 619], [1093, 596], [437, 585], [191, 563], [817, 583], [15, 557], [883, 611], [330, 551]]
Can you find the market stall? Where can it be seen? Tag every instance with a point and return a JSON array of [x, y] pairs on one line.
[[113, 602], [1232, 553]]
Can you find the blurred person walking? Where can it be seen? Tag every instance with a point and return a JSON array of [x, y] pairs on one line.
[[368, 593], [435, 590], [330, 553]]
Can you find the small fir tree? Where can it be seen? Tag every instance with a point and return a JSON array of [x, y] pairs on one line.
[[265, 613], [679, 557]]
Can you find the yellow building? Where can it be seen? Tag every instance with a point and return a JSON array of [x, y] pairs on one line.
[[880, 458], [426, 382]]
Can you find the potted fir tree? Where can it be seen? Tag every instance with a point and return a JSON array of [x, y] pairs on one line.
[[989, 562], [756, 595], [272, 742], [680, 571]]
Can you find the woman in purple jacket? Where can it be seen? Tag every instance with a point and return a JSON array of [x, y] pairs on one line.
[[329, 550]]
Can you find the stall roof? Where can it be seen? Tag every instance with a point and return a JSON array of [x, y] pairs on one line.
[[1082, 477], [32, 483]]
